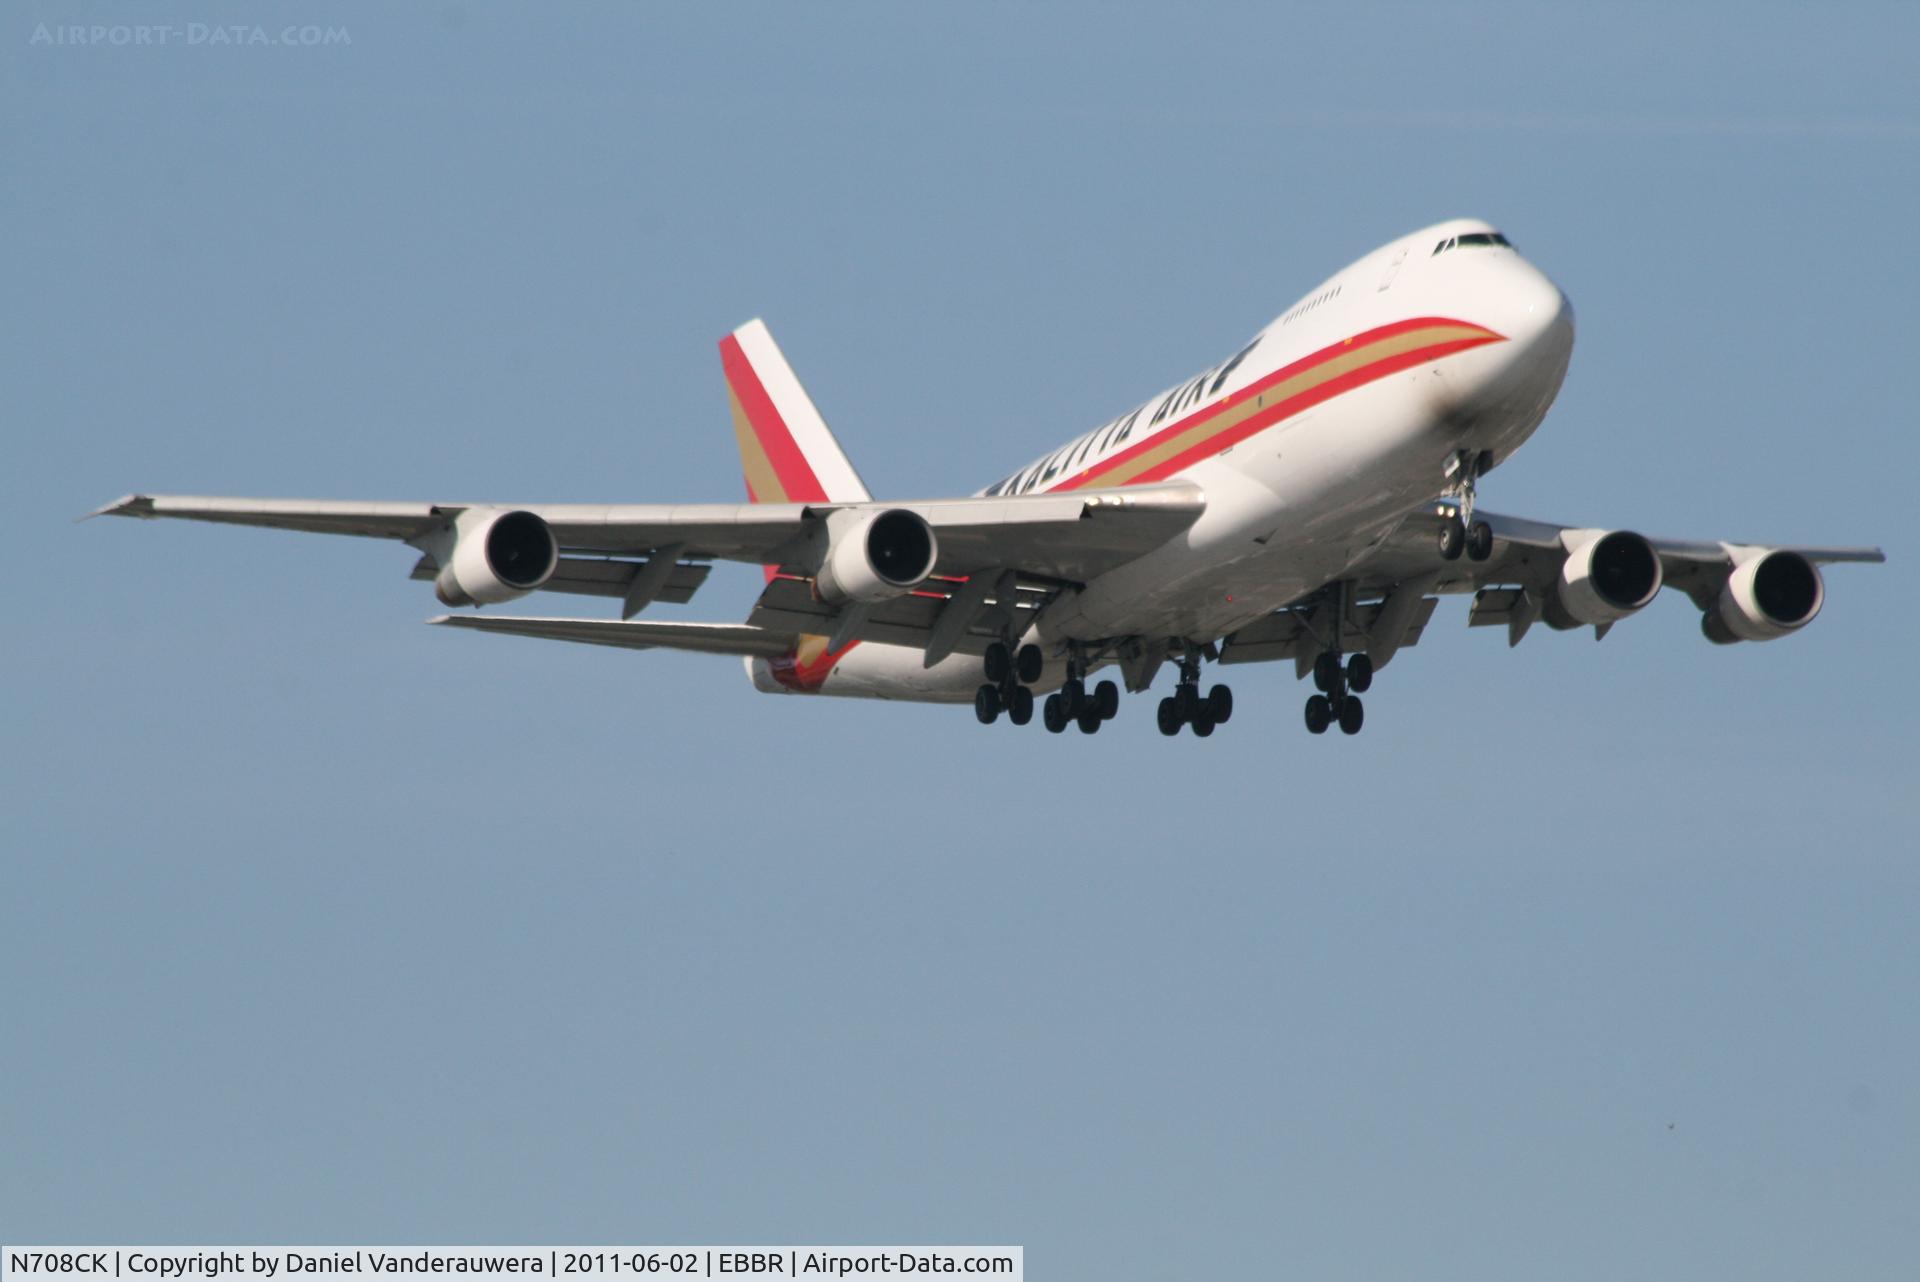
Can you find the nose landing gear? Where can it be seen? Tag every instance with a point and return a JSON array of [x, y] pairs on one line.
[[1459, 532]]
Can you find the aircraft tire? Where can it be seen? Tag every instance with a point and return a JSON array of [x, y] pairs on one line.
[[1351, 715], [1020, 706], [1089, 720], [1319, 714], [1053, 715], [1480, 541], [1106, 700], [1073, 696], [1186, 698], [1359, 673], [1220, 704], [1453, 538], [1168, 716], [1029, 663], [986, 704], [998, 662], [1202, 723]]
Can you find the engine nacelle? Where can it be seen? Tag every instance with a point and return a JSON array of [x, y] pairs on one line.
[[875, 556], [1604, 579], [1766, 597], [496, 556]]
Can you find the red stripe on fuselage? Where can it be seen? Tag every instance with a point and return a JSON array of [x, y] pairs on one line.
[[1272, 414]]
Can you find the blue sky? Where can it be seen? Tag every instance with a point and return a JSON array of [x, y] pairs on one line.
[[319, 925]]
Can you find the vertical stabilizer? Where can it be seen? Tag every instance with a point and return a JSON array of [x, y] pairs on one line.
[[786, 450]]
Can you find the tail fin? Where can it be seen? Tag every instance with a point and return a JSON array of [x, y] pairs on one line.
[[787, 452]]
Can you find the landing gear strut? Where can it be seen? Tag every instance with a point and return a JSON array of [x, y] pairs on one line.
[[1186, 706]]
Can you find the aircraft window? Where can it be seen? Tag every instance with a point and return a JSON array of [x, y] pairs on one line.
[[1473, 238]]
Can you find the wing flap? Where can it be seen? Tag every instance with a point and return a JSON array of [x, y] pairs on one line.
[[788, 604], [594, 576], [1294, 632]]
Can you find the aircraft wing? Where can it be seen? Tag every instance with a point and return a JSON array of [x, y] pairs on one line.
[[702, 638], [1392, 591], [1530, 553], [1067, 538]]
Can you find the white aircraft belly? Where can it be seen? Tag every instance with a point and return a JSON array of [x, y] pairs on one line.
[[1287, 510]]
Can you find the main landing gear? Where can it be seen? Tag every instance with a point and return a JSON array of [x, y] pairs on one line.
[[1010, 673], [1340, 688], [1074, 704], [1008, 688], [1186, 707]]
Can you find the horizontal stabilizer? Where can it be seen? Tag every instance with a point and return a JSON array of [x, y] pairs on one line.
[[701, 638]]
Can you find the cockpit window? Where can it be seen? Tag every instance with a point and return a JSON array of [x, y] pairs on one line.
[[1472, 238]]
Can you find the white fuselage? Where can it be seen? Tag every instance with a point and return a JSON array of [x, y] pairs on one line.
[[1336, 421]]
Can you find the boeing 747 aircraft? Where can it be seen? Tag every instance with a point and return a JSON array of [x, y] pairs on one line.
[[1305, 500]]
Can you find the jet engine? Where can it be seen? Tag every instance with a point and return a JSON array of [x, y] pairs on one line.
[[1766, 597], [872, 556], [496, 556], [1604, 579]]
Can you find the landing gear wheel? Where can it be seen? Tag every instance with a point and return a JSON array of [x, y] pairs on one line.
[[1319, 714], [1351, 715], [986, 704], [1053, 715], [1480, 541], [1359, 673], [1453, 538], [1169, 716], [1073, 697], [1089, 720], [1020, 705], [1028, 664], [1326, 672], [999, 662], [1186, 699], [1106, 700], [1220, 705], [1202, 723]]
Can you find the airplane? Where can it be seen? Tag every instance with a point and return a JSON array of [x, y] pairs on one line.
[[1308, 499]]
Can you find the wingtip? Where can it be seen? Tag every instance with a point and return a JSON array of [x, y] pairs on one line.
[[126, 505]]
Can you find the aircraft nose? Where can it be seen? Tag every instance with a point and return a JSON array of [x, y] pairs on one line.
[[1537, 314]]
